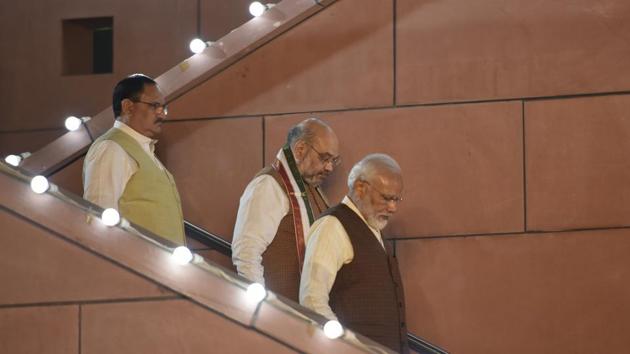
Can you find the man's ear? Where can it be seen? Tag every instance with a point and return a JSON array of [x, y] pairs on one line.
[[127, 107], [359, 188], [299, 150]]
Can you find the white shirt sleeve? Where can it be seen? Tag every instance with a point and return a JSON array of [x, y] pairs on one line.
[[328, 249], [262, 207], [108, 168]]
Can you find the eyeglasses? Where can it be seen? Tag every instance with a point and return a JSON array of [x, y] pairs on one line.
[[156, 106], [327, 158], [387, 198]]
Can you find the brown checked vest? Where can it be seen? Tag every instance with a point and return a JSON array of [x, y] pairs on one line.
[[367, 295], [280, 259]]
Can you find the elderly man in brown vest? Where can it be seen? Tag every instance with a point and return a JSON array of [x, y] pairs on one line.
[[280, 204], [121, 170], [349, 273]]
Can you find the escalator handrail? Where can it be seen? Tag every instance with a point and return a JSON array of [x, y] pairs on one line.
[[224, 247], [213, 241], [421, 346]]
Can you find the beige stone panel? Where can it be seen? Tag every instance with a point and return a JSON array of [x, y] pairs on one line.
[[212, 162], [36, 267], [533, 293], [217, 258], [219, 17], [198, 68], [167, 327], [206, 285], [472, 50], [39, 330], [578, 163], [26, 141], [309, 337], [339, 58], [462, 164], [58, 152], [194, 245], [70, 177], [100, 122], [37, 95]]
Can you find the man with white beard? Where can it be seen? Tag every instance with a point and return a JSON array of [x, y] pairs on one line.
[[349, 273]]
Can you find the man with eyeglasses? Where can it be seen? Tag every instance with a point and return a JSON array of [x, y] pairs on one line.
[[279, 205], [349, 273], [121, 170]]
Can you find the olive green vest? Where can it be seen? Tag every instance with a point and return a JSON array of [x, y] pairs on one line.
[[150, 198]]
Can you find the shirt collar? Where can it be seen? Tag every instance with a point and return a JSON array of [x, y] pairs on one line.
[[143, 140], [347, 201]]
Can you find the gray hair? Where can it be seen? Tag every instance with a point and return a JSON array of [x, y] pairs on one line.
[[369, 166], [305, 131]]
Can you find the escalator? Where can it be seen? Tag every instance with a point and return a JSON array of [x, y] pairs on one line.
[[70, 283], [56, 240], [223, 247]]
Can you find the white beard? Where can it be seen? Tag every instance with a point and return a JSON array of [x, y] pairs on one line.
[[372, 219], [376, 223]]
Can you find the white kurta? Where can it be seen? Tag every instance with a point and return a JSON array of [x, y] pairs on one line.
[[262, 207], [108, 168]]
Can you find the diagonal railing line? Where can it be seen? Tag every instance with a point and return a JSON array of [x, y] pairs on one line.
[[184, 76]]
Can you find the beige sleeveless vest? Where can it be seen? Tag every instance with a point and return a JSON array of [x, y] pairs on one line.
[[150, 198]]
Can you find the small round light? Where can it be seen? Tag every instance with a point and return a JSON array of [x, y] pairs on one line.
[[256, 293], [333, 329], [73, 123], [39, 184], [256, 8], [197, 45], [13, 160], [182, 255], [110, 217]]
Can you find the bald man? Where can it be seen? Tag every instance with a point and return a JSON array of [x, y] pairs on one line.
[[349, 273], [280, 204]]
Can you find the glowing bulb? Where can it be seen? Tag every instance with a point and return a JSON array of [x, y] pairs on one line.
[[256, 8], [39, 184], [333, 329], [73, 123], [197, 45], [256, 293], [182, 255], [13, 160], [110, 217]]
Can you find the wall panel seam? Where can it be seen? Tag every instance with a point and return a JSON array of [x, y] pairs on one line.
[[133, 271], [503, 234], [80, 327], [394, 50], [398, 106], [524, 147], [93, 302], [264, 140], [33, 130]]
